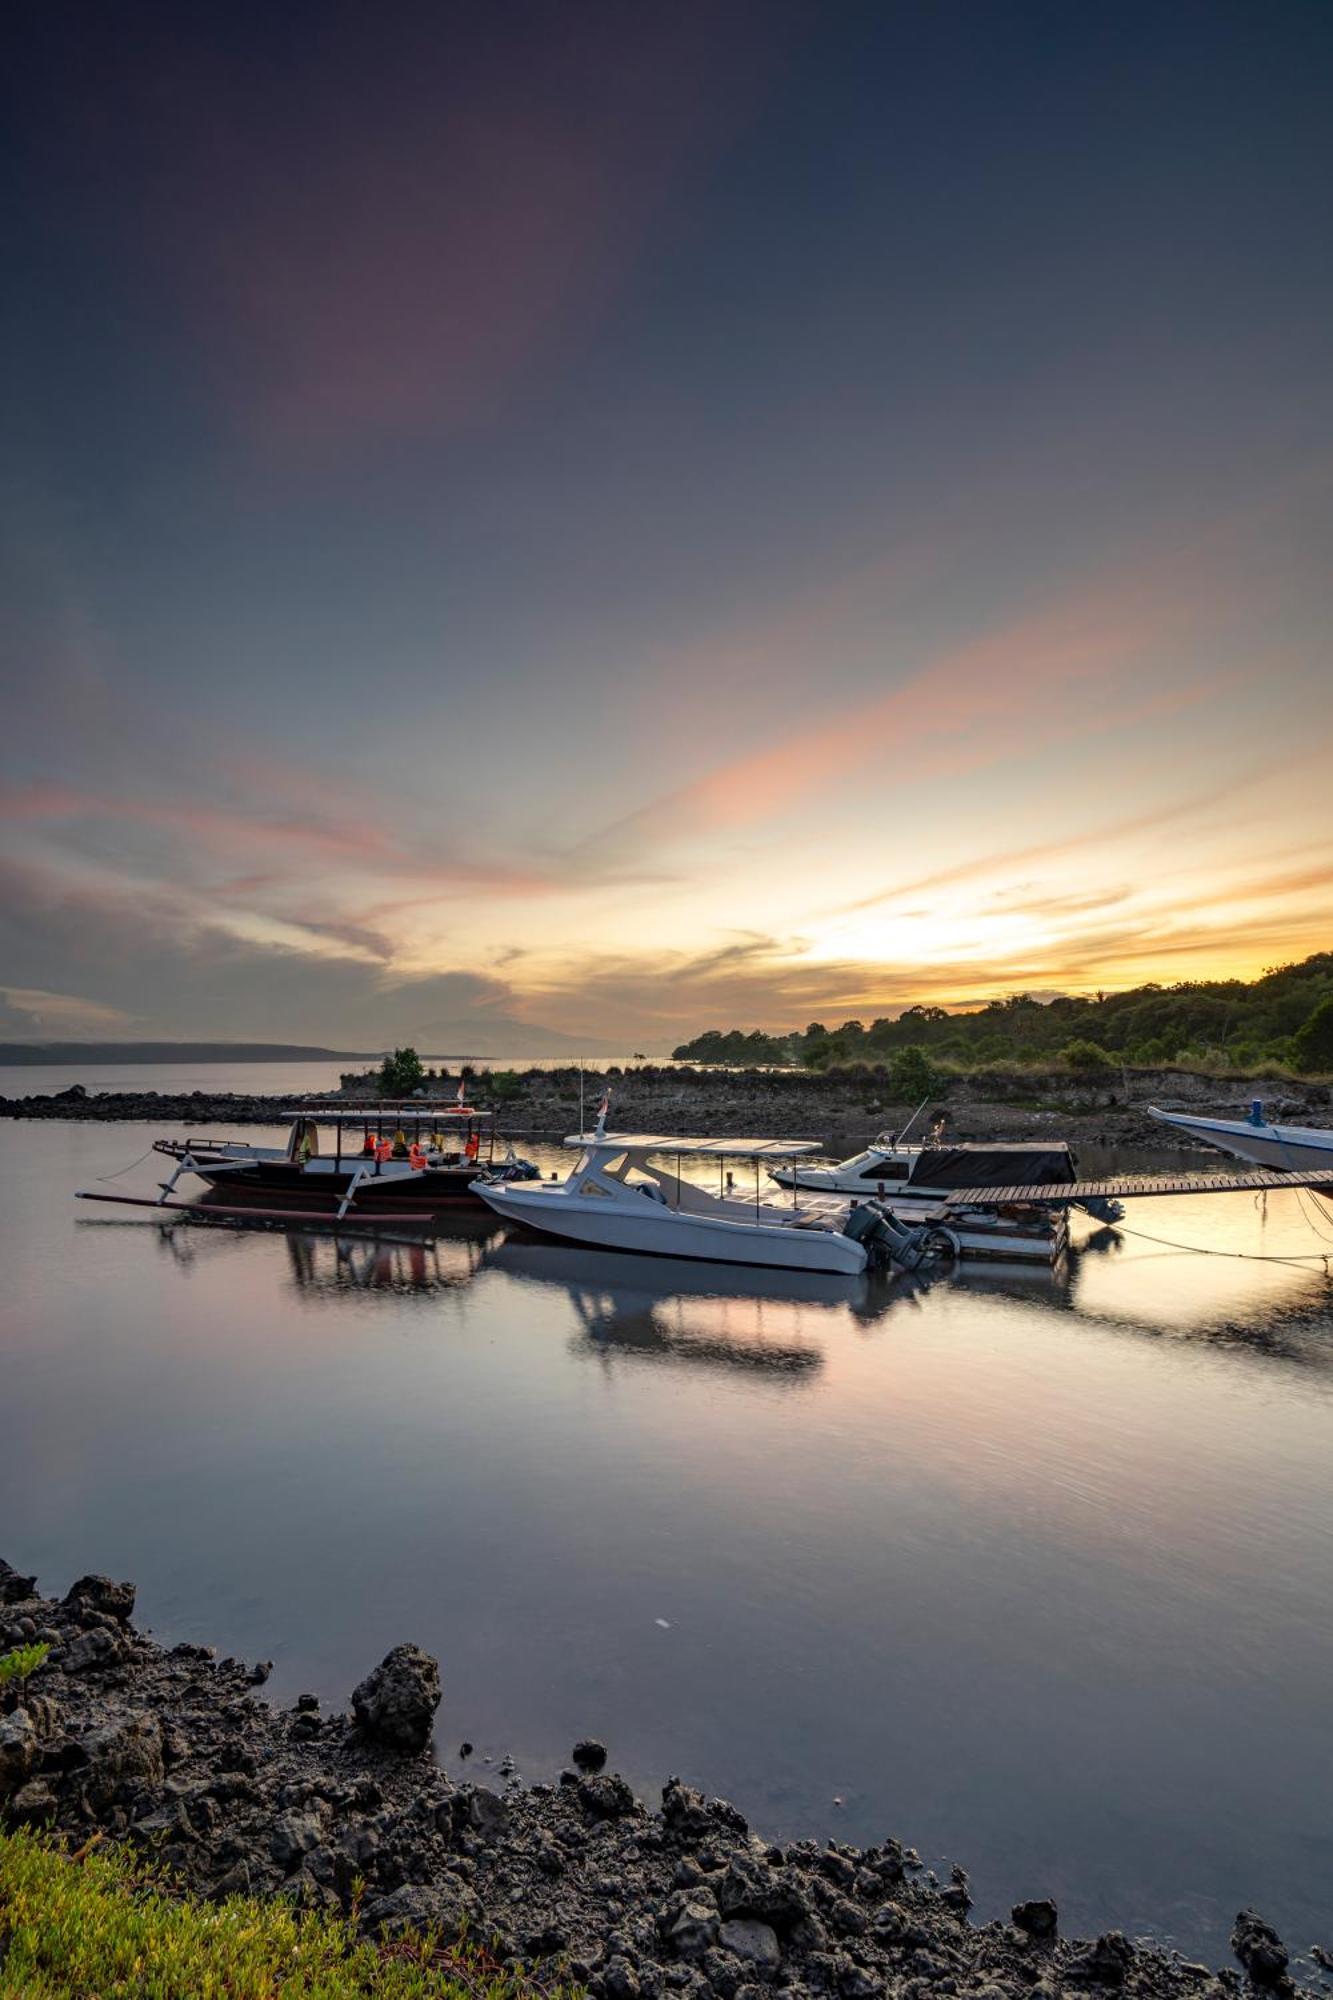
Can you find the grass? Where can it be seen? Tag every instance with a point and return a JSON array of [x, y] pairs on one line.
[[92, 1925]]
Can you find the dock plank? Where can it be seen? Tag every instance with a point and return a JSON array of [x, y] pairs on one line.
[[1131, 1187]]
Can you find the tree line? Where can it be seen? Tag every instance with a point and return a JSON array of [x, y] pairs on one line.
[[1284, 1018]]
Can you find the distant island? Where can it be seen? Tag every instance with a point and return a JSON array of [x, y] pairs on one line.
[[1284, 1018], [31, 1054]]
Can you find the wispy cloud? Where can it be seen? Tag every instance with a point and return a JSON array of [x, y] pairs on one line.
[[1117, 644], [1192, 808]]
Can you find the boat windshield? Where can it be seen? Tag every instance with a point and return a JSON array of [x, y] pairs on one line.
[[611, 1164]]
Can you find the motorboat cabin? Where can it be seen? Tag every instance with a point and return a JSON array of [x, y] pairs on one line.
[[920, 1185]]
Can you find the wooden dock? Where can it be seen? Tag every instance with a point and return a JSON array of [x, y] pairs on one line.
[[1131, 1187]]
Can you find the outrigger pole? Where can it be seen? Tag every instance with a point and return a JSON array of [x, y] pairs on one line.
[[205, 1208]]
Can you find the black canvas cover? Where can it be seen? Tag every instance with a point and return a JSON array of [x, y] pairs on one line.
[[991, 1166]]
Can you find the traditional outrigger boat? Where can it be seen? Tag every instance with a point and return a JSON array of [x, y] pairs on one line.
[[406, 1158], [617, 1197]]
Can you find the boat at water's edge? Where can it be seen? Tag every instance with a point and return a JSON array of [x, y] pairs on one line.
[[1290, 1147]]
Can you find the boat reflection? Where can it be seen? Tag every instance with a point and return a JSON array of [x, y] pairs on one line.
[[329, 1260], [441, 1260], [700, 1315]]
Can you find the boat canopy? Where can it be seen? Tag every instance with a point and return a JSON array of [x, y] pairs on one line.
[[713, 1149], [351, 1113], [991, 1166]]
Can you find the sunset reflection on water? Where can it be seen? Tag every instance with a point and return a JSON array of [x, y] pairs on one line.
[[1034, 1570]]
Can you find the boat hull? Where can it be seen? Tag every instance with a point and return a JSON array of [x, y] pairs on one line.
[[279, 1181], [1040, 1237], [1290, 1147], [609, 1226]]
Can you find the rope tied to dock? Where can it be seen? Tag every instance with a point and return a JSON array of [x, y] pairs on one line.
[[1243, 1256]]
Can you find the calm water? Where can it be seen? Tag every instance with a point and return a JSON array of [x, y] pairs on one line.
[[261, 1079], [1036, 1576]]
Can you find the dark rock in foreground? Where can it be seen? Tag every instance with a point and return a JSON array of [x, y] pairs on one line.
[[396, 1703], [172, 1751]]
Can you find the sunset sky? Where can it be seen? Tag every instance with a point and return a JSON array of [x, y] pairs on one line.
[[620, 519]]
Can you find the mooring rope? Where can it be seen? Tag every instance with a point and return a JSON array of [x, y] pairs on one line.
[[1244, 1256], [122, 1171], [1322, 1234]]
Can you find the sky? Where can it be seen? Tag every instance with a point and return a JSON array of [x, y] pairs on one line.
[[575, 520]]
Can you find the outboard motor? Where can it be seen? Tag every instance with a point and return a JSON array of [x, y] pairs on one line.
[[1104, 1206], [889, 1242]]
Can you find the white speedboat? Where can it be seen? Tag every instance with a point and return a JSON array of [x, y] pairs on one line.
[[1293, 1147], [888, 1166], [920, 1186], [617, 1197]]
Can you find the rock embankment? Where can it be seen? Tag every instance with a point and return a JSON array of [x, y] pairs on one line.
[[842, 1108], [171, 1750]]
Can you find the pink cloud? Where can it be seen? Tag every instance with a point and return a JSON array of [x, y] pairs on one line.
[[224, 830], [976, 703]]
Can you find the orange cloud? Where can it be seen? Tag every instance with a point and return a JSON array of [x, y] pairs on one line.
[[972, 704]]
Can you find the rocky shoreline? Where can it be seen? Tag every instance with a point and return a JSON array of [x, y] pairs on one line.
[[172, 1751], [841, 1108]]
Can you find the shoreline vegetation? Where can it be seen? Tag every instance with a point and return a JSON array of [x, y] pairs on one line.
[[1273, 1027], [227, 1819]]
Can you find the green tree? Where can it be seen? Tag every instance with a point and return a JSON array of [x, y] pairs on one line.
[[1086, 1057], [912, 1077], [1312, 1045], [401, 1074]]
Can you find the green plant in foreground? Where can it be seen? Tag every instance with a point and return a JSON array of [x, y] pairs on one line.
[[22, 1662], [92, 1922]]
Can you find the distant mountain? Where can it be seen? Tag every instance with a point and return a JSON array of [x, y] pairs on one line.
[[31, 1054]]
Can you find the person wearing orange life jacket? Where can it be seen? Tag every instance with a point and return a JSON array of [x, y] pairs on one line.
[[383, 1149], [368, 1147], [416, 1156], [473, 1147]]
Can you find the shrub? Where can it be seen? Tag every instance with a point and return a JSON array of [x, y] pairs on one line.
[[1312, 1044], [913, 1077], [1086, 1057]]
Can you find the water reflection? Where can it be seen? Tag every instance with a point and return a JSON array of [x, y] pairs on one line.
[[1222, 1291], [330, 1263], [695, 1315], [1035, 1568]]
